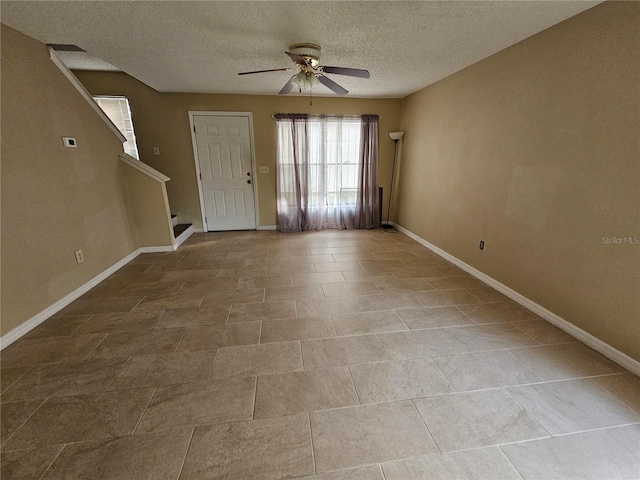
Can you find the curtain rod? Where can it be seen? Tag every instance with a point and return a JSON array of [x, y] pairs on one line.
[[353, 115]]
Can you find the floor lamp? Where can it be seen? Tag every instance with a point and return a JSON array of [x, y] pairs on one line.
[[395, 136]]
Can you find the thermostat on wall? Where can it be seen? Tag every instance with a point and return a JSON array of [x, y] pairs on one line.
[[69, 142]]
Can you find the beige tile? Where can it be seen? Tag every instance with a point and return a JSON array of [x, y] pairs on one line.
[[572, 406], [433, 317], [475, 371], [358, 277], [355, 436], [208, 403], [399, 380], [584, 456], [544, 332], [296, 329], [307, 391], [335, 352], [115, 322], [177, 273], [164, 369], [628, 437], [289, 268], [313, 307], [307, 259], [443, 298], [228, 297], [164, 288], [477, 419], [9, 376], [27, 464], [625, 387], [249, 312], [212, 337], [403, 285], [416, 272], [162, 302], [354, 257], [49, 350], [560, 362], [420, 344], [13, 415], [453, 271], [258, 359], [493, 336], [497, 312], [76, 418], [206, 285], [248, 271], [349, 289], [57, 327], [193, 316], [265, 449], [92, 306], [369, 322], [328, 250], [301, 279], [279, 294], [488, 295], [71, 378], [370, 472], [265, 281], [338, 267], [158, 456], [479, 464], [454, 283], [123, 344]]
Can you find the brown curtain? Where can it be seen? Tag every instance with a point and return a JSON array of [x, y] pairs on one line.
[[367, 200]]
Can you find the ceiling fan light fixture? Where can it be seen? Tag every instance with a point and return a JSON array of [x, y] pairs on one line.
[[305, 80]]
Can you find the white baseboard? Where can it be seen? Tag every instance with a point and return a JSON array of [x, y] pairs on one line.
[[159, 249], [51, 310], [183, 237], [266, 227], [198, 230], [598, 345]]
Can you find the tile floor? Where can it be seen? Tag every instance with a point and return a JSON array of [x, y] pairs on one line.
[[321, 355]]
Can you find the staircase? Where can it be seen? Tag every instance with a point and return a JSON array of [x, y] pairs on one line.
[[181, 231]]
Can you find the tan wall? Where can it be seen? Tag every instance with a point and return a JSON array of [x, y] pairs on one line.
[[150, 208], [161, 120], [535, 150], [55, 200]]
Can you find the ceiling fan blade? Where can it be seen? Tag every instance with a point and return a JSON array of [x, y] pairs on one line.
[[287, 87], [327, 82], [352, 72], [264, 71], [297, 58]]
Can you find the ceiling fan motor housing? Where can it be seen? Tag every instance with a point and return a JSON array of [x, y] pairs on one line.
[[307, 50]]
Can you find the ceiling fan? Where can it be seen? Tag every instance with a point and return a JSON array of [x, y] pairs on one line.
[[308, 72]]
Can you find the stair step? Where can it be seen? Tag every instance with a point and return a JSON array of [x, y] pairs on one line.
[[174, 220], [180, 228]]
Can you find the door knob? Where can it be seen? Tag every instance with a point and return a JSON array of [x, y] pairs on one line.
[[248, 174], [248, 181]]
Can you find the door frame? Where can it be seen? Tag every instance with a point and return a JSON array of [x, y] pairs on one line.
[[192, 125]]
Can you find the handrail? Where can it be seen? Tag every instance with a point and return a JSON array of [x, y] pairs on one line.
[[144, 168]]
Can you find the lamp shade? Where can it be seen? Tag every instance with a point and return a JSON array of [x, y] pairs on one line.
[[396, 135]]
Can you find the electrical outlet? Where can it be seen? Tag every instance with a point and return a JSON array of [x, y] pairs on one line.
[[481, 245], [156, 150], [263, 169], [79, 256]]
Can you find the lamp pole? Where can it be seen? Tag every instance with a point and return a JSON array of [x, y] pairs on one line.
[[395, 136]]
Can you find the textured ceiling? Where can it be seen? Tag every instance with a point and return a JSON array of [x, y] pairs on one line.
[[201, 46]]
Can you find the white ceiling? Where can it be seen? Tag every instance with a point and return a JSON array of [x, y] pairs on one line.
[[200, 46]]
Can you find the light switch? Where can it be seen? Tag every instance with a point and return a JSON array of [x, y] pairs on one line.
[[263, 169], [156, 150]]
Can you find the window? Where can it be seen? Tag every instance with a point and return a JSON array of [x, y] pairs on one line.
[[117, 109], [327, 171]]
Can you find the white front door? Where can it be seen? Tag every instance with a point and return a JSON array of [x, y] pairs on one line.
[[223, 150]]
